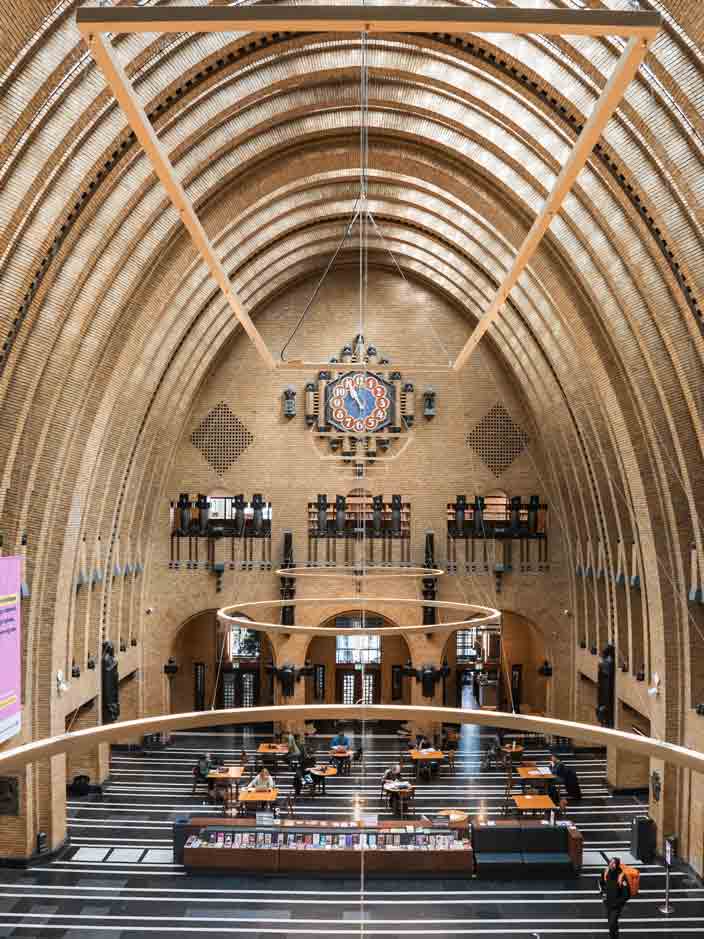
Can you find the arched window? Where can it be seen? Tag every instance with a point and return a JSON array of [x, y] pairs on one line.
[[361, 649], [243, 643]]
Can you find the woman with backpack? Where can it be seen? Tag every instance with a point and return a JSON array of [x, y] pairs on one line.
[[615, 892]]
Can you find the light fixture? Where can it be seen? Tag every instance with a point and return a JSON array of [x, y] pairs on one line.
[[654, 689], [171, 668], [61, 684]]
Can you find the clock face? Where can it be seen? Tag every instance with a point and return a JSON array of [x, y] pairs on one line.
[[359, 403]]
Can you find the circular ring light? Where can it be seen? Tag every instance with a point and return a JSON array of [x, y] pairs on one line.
[[378, 573], [486, 614]]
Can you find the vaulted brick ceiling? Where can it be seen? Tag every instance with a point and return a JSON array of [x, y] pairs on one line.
[[109, 321]]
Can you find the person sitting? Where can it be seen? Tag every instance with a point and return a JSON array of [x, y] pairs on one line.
[[392, 775], [340, 740], [448, 741], [263, 780], [307, 759], [201, 770]]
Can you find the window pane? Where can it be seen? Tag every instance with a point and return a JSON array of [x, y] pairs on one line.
[[244, 643], [348, 688], [358, 649], [466, 651], [247, 690]]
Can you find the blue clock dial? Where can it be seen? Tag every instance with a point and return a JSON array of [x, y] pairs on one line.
[[359, 402]]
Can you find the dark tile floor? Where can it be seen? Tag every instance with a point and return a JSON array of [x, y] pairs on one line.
[[118, 878]]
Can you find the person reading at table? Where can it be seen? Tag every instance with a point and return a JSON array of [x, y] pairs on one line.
[[263, 780], [340, 740], [393, 775]]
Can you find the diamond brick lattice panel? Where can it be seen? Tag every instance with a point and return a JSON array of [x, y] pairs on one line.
[[222, 438], [497, 439]]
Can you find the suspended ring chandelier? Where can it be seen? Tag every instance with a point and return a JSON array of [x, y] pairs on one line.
[[486, 616], [359, 573]]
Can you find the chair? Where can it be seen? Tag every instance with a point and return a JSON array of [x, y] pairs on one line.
[[199, 779], [407, 801]]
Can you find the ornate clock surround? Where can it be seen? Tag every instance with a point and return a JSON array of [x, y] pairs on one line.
[[359, 407]]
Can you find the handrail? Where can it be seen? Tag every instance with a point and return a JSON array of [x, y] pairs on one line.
[[82, 740]]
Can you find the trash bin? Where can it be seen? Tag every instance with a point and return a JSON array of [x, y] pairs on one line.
[[643, 838]]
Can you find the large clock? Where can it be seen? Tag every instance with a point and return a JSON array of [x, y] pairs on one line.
[[359, 403]]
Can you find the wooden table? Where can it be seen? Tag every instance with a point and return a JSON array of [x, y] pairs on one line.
[[425, 756], [228, 775], [345, 758], [534, 803], [259, 796], [403, 795], [533, 774], [321, 773]]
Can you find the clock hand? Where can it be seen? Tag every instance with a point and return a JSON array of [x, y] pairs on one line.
[[356, 398]]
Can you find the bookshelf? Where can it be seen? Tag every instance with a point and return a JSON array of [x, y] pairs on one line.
[[291, 846]]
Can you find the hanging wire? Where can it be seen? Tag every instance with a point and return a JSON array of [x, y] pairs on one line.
[[363, 284], [346, 235]]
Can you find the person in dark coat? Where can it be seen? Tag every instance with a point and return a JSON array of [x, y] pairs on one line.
[[568, 778], [614, 891]]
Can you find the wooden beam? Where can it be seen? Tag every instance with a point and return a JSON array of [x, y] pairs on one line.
[[81, 740], [298, 365], [374, 19], [608, 101], [141, 125]]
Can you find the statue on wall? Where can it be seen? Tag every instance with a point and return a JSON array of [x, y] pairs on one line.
[[110, 684]]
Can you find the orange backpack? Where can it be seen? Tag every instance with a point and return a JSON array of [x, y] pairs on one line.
[[632, 877]]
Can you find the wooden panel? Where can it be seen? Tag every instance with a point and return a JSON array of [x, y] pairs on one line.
[[243, 860], [370, 19]]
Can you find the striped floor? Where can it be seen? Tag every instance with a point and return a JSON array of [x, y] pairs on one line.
[[118, 877]]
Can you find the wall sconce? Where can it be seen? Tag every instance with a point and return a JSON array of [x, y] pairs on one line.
[[171, 668], [123, 645], [91, 662], [428, 675], [219, 571], [654, 690], [289, 399], [61, 684], [429, 406], [75, 670], [133, 641]]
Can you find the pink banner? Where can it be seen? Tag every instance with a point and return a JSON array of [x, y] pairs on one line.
[[10, 647]]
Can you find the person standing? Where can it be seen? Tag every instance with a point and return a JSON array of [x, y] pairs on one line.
[[615, 892], [294, 754]]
